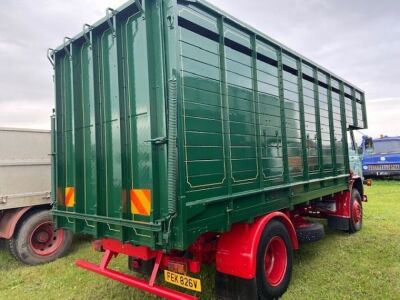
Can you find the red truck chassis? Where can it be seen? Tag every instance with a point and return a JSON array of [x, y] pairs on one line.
[[233, 252]]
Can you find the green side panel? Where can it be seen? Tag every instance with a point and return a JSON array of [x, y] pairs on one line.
[[202, 104], [269, 115], [246, 111], [241, 127]]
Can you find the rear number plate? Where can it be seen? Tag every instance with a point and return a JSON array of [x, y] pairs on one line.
[[183, 281]]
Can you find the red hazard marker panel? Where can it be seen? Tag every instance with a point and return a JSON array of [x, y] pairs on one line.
[[141, 202], [69, 197]]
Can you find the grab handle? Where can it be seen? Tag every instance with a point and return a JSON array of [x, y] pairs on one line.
[[50, 56]]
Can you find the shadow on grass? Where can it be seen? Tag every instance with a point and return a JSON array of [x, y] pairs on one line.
[[78, 242], [308, 252]]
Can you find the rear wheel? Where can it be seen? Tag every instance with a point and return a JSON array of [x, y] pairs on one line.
[[36, 242], [356, 212], [274, 261]]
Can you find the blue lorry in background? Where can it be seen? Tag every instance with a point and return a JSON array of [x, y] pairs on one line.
[[381, 157]]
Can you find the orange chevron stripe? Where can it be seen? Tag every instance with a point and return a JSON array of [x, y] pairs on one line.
[[141, 202], [69, 197]]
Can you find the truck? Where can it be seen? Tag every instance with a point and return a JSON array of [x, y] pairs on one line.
[[26, 224], [381, 157], [185, 137]]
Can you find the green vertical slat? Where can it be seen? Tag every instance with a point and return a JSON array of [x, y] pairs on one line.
[[88, 131], [58, 82], [257, 108], [111, 127], [318, 122], [53, 160], [70, 157], [331, 126], [364, 110], [58, 167], [354, 107], [78, 126], [132, 138], [182, 185], [125, 140], [68, 122], [103, 150], [283, 120], [154, 49], [170, 12], [302, 120], [224, 90], [120, 38], [344, 128], [98, 146]]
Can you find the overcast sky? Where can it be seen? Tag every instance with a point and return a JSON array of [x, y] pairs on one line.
[[358, 40]]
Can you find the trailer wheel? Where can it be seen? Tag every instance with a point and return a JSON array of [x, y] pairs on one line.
[[356, 212], [36, 242], [274, 261]]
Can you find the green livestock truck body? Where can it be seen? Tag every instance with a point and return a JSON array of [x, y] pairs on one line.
[[175, 121]]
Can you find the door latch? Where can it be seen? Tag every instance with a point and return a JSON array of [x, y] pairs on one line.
[[158, 141]]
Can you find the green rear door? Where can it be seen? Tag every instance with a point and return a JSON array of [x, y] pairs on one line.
[[110, 106]]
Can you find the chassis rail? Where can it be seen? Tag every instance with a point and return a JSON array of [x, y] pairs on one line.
[[141, 284]]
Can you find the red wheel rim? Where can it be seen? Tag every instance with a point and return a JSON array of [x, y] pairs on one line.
[[356, 212], [44, 240], [275, 261]]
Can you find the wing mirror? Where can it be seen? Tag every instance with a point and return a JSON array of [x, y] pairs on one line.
[[369, 145]]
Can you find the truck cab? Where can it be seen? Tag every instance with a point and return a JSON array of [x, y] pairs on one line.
[[355, 157], [381, 157]]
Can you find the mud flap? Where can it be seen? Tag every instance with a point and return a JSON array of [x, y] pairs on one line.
[[141, 266], [338, 223]]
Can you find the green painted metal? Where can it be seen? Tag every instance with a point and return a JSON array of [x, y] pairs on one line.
[[259, 127]]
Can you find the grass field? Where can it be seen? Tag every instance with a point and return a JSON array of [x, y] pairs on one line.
[[365, 265]]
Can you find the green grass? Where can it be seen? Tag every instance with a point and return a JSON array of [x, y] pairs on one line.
[[365, 265]]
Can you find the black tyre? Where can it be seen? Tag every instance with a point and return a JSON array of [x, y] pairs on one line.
[[2, 243], [274, 261], [309, 233], [356, 212], [36, 242]]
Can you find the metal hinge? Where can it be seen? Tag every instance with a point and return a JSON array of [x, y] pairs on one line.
[[158, 140], [47, 196], [3, 199]]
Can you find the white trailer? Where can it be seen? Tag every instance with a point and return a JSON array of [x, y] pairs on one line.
[[25, 180]]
